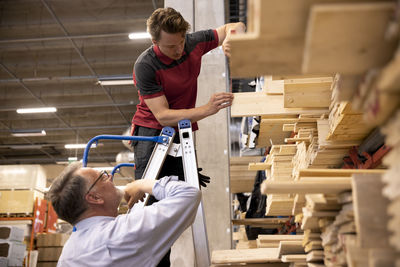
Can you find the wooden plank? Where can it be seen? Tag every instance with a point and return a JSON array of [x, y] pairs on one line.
[[260, 222], [313, 245], [307, 93], [276, 264], [315, 185], [259, 166], [256, 255], [244, 160], [294, 258], [336, 172], [347, 38], [278, 238], [273, 87], [315, 255], [259, 103], [290, 247], [370, 213]]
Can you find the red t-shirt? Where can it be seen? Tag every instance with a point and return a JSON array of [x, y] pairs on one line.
[[156, 74]]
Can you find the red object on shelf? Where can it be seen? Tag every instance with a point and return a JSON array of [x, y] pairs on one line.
[[51, 222], [371, 162]]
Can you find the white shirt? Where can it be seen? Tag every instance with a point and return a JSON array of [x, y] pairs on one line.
[[140, 238]]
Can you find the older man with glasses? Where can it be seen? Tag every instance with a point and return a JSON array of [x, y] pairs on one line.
[[89, 200]]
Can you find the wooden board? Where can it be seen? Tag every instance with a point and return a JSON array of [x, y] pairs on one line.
[[315, 255], [275, 264], [347, 38], [259, 103], [244, 160], [256, 255], [370, 213], [290, 247], [318, 185], [307, 93], [335, 172], [294, 258], [259, 166], [260, 222]]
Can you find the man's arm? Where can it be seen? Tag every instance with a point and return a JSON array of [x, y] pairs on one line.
[[136, 190], [170, 117], [224, 33]]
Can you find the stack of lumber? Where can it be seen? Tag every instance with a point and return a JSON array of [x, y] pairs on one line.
[[372, 246], [391, 179], [50, 246], [280, 159], [283, 106], [377, 95], [314, 37], [346, 124], [337, 232], [241, 238], [324, 174], [330, 219], [242, 179]]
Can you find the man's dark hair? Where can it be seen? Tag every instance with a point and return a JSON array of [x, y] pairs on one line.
[[67, 194], [168, 20]]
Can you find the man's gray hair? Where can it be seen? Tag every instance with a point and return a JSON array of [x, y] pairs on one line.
[[67, 194]]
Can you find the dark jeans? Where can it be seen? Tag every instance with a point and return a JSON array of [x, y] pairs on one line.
[[172, 166]]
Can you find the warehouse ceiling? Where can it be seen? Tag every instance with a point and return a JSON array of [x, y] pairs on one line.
[[52, 54]]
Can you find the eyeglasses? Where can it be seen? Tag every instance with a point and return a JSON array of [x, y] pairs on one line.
[[102, 173]]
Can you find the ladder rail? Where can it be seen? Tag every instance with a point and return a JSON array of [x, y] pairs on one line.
[[199, 230], [158, 139]]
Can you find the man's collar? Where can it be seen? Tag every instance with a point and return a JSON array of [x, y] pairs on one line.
[[164, 59]]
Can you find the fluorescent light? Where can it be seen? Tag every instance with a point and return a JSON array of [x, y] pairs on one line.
[[24, 133], [139, 35], [75, 146], [72, 158], [36, 110], [121, 79], [25, 147], [117, 82]]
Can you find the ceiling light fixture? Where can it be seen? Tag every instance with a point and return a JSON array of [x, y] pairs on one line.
[[36, 110], [25, 133], [78, 146], [139, 35], [115, 80], [16, 147]]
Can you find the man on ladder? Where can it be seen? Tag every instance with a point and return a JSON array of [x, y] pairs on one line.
[[166, 78]]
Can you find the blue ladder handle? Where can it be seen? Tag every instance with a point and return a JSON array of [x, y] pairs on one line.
[[121, 165], [157, 139]]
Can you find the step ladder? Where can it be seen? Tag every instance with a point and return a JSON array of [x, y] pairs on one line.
[[164, 146]]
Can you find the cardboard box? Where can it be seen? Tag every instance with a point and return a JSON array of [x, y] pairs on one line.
[[49, 253], [25, 225], [3, 261], [22, 177], [51, 240], [13, 251], [18, 201], [12, 233]]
